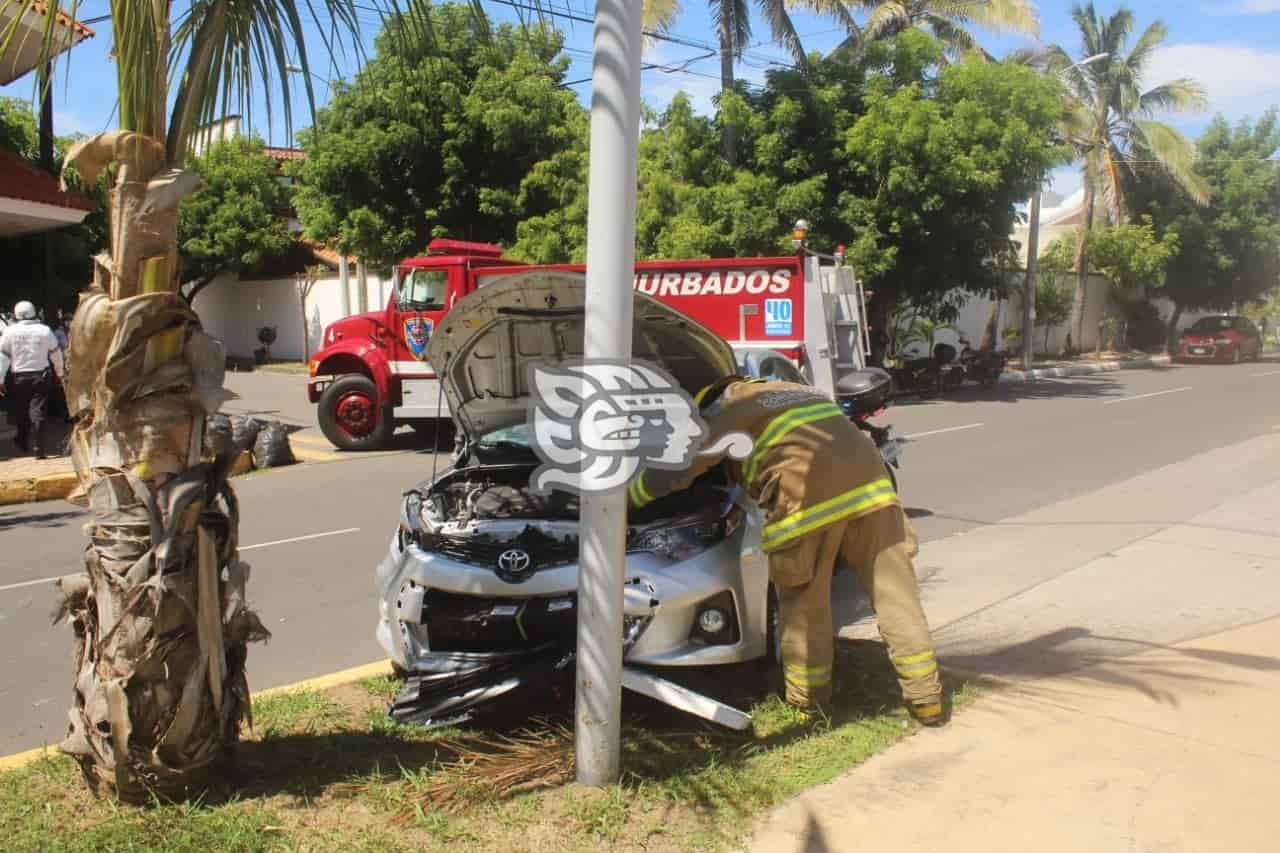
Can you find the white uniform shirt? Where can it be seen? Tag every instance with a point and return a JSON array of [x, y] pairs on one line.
[[29, 346]]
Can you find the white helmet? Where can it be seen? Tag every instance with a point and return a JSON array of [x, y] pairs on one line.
[[24, 310]]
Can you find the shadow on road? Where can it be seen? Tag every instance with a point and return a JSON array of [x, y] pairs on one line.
[[1116, 661], [13, 518], [1097, 386]]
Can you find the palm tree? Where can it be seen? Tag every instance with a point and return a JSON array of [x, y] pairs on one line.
[[1110, 124], [733, 29], [160, 621], [950, 21]]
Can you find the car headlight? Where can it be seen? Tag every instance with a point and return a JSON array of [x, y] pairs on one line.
[[1224, 342], [681, 541]]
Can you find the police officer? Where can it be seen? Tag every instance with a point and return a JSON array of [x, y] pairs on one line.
[[29, 349], [826, 495]]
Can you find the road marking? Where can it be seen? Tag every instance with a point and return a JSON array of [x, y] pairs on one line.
[[916, 435], [1268, 373], [301, 538], [306, 538], [1145, 396], [28, 583]]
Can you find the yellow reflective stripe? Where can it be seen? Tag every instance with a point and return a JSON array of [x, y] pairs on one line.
[[916, 670], [916, 658], [641, 490], [783, 424], [928, 710], [638, 494], [812, 676], [873, 495], [791, 667]]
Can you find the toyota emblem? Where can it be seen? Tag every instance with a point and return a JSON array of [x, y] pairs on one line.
[[514, 565]]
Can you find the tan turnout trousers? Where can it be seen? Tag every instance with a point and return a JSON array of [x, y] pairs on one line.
[[879, 548]]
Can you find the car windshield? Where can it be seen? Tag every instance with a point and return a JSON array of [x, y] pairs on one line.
[[1213, 324], [517, 435]]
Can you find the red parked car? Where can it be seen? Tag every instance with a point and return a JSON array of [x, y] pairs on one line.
[[1221, 339]]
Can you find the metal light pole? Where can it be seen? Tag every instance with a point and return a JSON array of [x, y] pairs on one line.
[[611, 237], [1033, 249], [1029, 288]]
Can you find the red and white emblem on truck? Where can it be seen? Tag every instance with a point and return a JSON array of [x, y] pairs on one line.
[[417, 334]]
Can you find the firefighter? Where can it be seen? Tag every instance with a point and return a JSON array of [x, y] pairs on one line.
[[826, 495]]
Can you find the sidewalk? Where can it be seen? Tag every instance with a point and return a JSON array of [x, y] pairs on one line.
[[1085, 366], [1131, 639], [1172, 750]]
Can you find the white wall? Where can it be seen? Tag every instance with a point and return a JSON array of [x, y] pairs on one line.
[[233, 310]]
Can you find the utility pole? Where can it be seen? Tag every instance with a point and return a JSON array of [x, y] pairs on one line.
[[1029, 288], [611, 239]]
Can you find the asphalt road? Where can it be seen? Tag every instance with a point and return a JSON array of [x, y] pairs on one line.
[[314, 532]]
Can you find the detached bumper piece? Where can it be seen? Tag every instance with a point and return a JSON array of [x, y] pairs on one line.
[[453, 688]]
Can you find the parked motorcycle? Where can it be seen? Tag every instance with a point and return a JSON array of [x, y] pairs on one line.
[[865, 394], [983, 367], [929, 375]]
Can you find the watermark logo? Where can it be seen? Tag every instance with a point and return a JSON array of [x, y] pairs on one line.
[[596, 424]]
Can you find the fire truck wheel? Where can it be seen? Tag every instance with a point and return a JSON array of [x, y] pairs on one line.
[[351, 416]]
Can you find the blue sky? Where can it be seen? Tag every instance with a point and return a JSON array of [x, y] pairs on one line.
[[1231, 46]]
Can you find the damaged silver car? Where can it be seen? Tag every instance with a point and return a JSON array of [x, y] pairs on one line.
[[478, 590]]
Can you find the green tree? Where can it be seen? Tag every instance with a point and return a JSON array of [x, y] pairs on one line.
[[1053, 305], [50, 267], [937, 167], [732, 19], [233, 223], [950, 21], [439, 139], [1131, 255], [160, 620], [18, 128], [1228, 251], [1111, 125]]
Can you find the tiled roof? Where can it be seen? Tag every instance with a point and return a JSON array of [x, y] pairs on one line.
[[22, 180], [42, 8], [285, 153], [325, 254]]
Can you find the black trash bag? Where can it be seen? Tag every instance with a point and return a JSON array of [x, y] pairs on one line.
[[219, 439], [244, 431], [271, 448]]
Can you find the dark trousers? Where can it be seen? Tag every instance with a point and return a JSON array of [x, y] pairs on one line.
[[29, 394]]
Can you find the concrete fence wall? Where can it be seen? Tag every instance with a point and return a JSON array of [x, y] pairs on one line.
[[976, 310], [233, 310]]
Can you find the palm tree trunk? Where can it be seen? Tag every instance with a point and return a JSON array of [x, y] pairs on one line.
[[1080, 300], [159, 614], [728, 139]]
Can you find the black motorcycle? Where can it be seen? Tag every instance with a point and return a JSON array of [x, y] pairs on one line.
[[983, 366], [865, 394], [929, 375]]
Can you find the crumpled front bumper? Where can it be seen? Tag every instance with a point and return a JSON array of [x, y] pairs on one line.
[[465, 636]]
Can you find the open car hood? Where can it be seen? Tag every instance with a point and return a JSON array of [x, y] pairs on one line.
[[485, 345]]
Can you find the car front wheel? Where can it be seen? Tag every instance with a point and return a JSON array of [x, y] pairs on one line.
[[352, 417]]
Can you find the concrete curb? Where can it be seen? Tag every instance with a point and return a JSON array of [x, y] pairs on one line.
[[323, 682], [51, 487], [1009, 376]]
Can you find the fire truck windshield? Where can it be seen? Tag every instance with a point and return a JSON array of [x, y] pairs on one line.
[[422, 290]]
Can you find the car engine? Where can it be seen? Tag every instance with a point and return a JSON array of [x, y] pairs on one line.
[[473, 514]]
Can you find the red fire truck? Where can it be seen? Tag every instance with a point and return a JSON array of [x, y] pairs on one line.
[[371, 373]]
